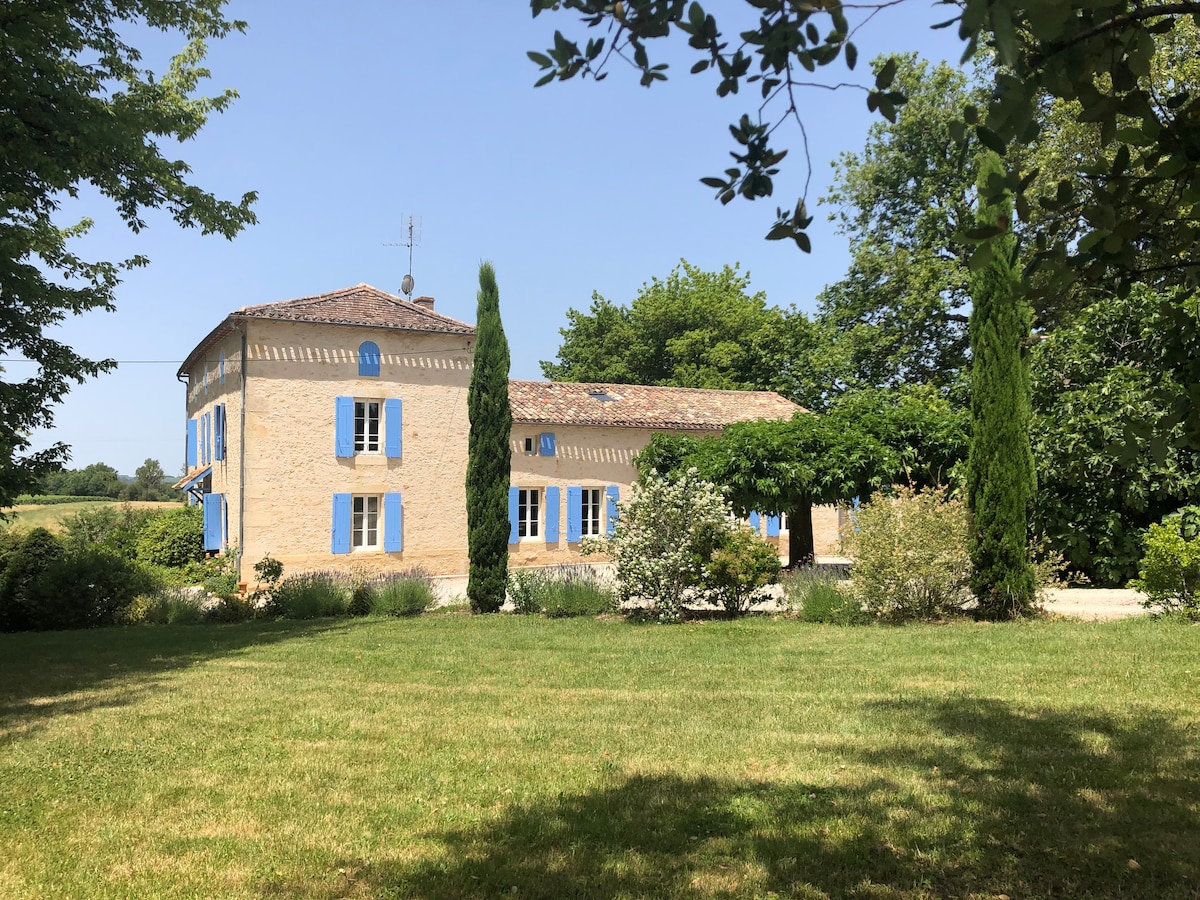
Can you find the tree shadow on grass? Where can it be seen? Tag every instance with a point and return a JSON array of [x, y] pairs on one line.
[[986, 798], [49, 674]]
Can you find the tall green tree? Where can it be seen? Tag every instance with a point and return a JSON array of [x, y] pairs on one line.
[[690, 329], [1000, 473], [1106, 469], [80, 110], [489, 455]]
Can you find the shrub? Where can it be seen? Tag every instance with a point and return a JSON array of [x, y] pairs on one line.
[[360, 601], [267, 573], [665, 534], [738, 572], [816, 597], [24, 563], [222, 585], [115, 527], [173, 538], [84, 588], [167, 606], [310, 595], [910, 556], [560, 592], [403, 594], [1169, 574]]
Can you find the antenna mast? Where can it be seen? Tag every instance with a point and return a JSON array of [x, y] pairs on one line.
[[412, 237]]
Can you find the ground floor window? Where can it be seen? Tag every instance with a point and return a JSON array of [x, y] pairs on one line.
[[593, 515], [364, 531], [528, 512]]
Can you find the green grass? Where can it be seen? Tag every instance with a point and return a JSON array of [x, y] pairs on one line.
[[456, 756], [51, 515]]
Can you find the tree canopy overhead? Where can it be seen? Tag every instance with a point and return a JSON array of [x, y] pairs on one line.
[[79, 109], [1140, 183]]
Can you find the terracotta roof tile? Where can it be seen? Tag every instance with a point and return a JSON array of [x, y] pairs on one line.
[[358, 305], [639, 406]]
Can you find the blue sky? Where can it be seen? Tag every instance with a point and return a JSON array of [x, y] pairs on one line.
[[347, 121]]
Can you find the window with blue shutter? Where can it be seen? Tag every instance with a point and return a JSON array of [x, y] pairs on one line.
[[755, 522], [392, 421], [204, 439], [368, 359], [191, 443], [772, 526], [614, 494], [574, 513], [546, 444], [343, 428], [513, 501], [552, 495], [208, 437], [221, 367], [393, 523], [213, 519], [340, 542], [219, 431]]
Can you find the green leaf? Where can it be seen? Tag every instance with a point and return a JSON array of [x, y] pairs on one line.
[[990, 139], [542, 60], [851, 55], [886, 75]]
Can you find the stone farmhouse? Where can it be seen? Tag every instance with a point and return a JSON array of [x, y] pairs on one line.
[[331, 431]]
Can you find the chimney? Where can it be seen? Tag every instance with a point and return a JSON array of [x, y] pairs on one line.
[[425, 303]]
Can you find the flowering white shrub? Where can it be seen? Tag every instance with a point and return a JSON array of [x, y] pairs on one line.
[[664, 542]]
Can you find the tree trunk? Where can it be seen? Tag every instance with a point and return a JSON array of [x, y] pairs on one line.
[[801, 549]]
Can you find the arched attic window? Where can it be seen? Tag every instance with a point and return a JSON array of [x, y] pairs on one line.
[[368, 359]]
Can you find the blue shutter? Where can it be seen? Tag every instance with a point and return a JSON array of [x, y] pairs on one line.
[[513, 501], [341, 523], [392, 419], [208, 437], [212, 521], [551, 515], [204, 439], [547, 444], [393, 519], [368, 359], [574, 514], [614, 494], [772, 526], [219, 431], [343, 442], [755, 522], [191, 443]]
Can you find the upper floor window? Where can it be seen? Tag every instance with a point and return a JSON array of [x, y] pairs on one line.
[[366, 426], [368, 359]]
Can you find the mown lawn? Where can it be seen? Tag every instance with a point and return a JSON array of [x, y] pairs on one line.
[[452, 756]]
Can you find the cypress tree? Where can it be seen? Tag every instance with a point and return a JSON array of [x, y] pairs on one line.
[[489, 456], [1000, 474]]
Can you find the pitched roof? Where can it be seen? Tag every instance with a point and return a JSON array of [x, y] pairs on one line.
[[361, 305], [639, 406], [358, 305]]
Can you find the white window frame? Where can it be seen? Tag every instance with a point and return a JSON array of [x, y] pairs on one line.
[[529, 513], [366, 522], [591, 523], [367, 413]]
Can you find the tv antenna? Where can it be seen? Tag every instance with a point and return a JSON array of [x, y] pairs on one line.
[[412, 237]]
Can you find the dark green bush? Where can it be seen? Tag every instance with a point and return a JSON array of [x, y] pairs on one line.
[[739, 570], [24, 561], [166, 606], [403, 594], [173, 538], [360, 601], [310, 595], [223, 585], [84, 588]]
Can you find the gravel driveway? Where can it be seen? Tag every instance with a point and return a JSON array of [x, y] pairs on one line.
[[1095, 604]]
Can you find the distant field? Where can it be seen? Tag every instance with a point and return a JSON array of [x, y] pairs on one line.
[[34, 515]]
